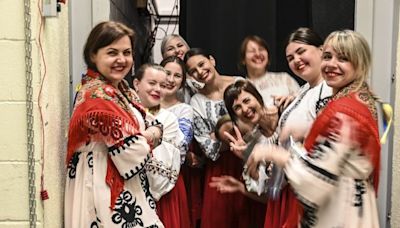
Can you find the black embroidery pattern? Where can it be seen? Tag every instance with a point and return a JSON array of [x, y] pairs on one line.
[[310, 211], [137, 168], [320, 173], [120, 147], [95, 224], [89, 158], [126, 211], [144, 182], [317, 150], [309, 216], [359, 186], [72, 165], [205, 125], [116, 149], [199, 125], [220, 109], [321, 103]]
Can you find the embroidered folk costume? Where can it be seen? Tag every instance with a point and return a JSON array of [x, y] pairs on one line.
[[337, 179], [164, 172], [229, 206], [166, 184], [106, 184], [300, 114]]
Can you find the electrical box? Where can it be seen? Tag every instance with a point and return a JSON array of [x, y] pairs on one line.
[[50, 8]]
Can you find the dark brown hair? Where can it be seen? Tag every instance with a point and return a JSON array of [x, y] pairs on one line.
[[306, 36], [233, 91], [175, 59], [104, 34]]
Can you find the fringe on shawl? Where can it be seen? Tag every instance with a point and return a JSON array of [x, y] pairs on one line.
[[99, 120], [371, 148], [367, 137]]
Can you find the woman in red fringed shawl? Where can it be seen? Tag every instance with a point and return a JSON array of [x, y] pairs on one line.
[[108, 143], [335, 173]]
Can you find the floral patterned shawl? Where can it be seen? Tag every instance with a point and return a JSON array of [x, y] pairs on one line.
[[102, 113]]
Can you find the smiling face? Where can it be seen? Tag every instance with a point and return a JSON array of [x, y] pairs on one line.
[[174, 78], [247, 108], [256, 57], [337, 70], [115, 60], [201, 68], [305, 61], [149, 88], [175, 47]]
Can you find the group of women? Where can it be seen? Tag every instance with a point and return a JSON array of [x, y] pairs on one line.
[[190, 147]]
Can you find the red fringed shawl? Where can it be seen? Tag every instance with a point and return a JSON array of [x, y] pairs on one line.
[[360, 106], [102, 114], [367, 136]]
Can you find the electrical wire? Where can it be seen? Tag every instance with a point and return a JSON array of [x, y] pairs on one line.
[[175, 6], [40, 94]]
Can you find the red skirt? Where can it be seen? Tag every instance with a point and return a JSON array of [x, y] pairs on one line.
[[172, 208], [194, 183], [283, 211], [222, 210], [252, 214]]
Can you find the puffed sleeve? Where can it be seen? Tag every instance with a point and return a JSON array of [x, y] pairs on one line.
[[203, 128], [164, 166], [185, 120], [130, 155]]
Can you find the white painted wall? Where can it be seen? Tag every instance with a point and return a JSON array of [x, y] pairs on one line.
[[378, 20], [395, 200], [14, 211]]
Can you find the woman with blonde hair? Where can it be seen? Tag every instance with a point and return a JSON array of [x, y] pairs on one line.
[[335, 172]]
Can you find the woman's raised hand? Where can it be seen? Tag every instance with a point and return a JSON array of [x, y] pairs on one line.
[[262, 153], [237, 145], [281, 102], [269, 120]]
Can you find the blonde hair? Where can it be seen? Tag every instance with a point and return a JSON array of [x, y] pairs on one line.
[[169, 37], [353, 46]]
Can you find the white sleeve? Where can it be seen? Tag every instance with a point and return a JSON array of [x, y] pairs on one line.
[[203, 127]]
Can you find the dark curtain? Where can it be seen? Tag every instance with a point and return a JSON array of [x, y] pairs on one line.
[[219, 26], [138, 19]]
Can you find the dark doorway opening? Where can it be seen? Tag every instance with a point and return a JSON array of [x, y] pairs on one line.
[[220, 26]]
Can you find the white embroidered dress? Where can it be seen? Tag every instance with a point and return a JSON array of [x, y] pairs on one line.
[[87, 196], [164, 166], [206, 113]]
